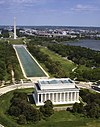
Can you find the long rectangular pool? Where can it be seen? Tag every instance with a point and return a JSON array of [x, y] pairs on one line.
[[31, 68]]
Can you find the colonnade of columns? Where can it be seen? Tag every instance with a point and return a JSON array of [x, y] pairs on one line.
[[58, 97]]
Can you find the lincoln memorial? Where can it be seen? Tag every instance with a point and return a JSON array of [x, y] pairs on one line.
[[59, 91]]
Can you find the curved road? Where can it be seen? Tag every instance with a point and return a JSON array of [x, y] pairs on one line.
[[6, 89]]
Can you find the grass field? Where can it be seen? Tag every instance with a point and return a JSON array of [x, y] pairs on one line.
[[59, 119], [17, 41], [66, 64]]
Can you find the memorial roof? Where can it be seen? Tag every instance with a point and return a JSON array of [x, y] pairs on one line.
[[56, 83]]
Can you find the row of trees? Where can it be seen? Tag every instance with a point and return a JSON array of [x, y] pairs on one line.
[[91, 108], [55, 39], [81, 56], [24, 112], [4, 33], [77, 54], [8, 62], [54, 67], [87, 74]]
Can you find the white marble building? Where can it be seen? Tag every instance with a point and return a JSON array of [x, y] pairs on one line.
[[59, 91]]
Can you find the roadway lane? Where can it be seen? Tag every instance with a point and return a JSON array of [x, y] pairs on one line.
[[6, 89]]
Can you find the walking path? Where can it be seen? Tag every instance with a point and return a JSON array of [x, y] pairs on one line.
[[13, 79], [74, 69]]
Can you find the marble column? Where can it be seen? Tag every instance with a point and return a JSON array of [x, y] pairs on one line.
[[67, 96], [71, 96], [64, 97], [53, 97], [48, 96], [75, 96], [60, 97], [56, 97], [45, 97]]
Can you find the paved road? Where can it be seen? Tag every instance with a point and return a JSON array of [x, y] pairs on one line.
[[87, 86], [16, 86], [13, 87]]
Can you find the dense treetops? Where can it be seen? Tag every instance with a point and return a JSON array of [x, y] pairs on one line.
[[5, 33], [25, 112], [89, 59], [54, 67], [77, 54], [91, 107], [8, 62], [21, 109], [81, 56]]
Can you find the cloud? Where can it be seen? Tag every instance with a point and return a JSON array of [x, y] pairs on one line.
[[23, 1], [80, 7], [28, 1], [11, 2]]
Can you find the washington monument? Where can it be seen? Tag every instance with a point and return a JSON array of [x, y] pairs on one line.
[[14, 27]]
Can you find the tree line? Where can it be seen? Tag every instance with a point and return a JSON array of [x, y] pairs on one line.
[[54, 67], [8, 62], [91, 107], [51, 39], [4, 33], [80, 56], [24, 112]]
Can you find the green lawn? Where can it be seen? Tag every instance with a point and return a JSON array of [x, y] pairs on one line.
[[66, 64], [17, 41], [83, 67], [59, 119]]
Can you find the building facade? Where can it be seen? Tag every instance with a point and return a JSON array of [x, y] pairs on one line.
[[59, 91]]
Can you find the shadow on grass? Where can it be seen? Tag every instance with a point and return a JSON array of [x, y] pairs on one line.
[[31, 99]]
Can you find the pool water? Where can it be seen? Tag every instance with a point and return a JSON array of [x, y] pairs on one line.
[[31, 68]]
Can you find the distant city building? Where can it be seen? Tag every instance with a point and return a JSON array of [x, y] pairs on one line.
[[61, 32], [64, 32], [59, 91]]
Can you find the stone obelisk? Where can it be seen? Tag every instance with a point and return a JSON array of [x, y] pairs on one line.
[[14, 27]]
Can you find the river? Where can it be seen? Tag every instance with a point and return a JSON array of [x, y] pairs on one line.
[[92, 44]]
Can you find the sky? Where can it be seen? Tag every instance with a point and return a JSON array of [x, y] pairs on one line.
[[50, 12]]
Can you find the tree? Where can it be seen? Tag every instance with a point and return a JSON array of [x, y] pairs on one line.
[[31, 113], [14, 111], [22, 109], [78, 107], [5, 33], [21, 120], [92, 110], [47, 109]]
